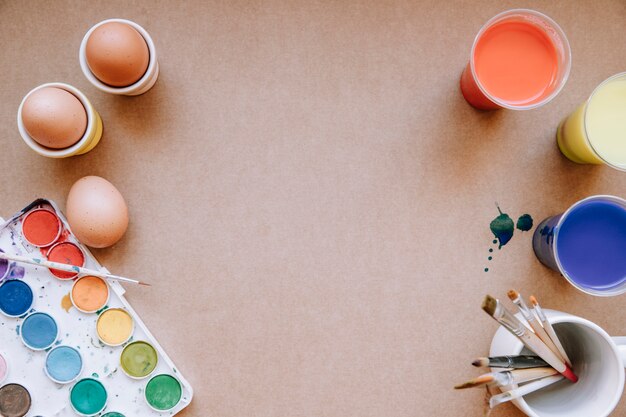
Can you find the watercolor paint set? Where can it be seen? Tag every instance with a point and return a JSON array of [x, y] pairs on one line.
[[73, 345]]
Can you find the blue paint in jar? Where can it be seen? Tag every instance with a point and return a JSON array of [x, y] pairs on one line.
[[39, 331], [16, 298], [591, 245], [64, 364]]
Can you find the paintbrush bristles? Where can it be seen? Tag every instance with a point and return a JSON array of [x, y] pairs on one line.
[[489, 305], [533, 301], [476, 382], [513, 295], [481, 362]]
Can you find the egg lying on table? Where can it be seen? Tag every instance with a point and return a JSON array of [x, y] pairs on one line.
[[54, 117], [117, 54], [96, 212]]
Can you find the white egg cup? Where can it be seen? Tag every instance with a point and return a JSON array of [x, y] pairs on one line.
[[144, 84], [90, 138]]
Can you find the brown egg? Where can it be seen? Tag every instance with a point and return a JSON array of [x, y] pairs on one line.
[[54, 118], [117, 54], [96, 212]]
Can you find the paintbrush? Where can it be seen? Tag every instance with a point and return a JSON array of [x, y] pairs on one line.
[[508, 377], [523, 390], [534, 323], [503, 316], [68, 268], [515, 362], [549, 329]]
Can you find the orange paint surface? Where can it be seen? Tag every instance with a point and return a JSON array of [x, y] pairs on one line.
[[516, 62], [66, 253], [90, 294], [41, 227]]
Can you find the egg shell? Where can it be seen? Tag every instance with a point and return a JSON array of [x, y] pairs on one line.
[[117, 54], [54, 117], [96, 212]]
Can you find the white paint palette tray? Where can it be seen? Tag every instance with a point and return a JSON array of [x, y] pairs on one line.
[[31, 369]]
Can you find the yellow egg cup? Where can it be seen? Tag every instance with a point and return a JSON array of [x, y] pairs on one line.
[[90, 138], [95, 137]]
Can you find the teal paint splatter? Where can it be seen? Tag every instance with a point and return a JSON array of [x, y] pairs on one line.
[[502, 228], [525, 222]]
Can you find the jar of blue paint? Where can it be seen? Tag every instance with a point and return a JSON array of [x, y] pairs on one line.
[[587, 244]]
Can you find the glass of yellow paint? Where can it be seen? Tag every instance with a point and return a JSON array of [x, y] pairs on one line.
[[115, 326], [595, 133]]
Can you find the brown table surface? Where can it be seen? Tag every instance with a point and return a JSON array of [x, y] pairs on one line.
[[311, 195]]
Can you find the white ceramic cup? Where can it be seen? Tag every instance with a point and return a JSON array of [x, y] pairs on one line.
[[597, 359], [144, 84]]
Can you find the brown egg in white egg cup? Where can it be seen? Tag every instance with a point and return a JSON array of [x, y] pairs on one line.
[[87, 142], [145, 83]]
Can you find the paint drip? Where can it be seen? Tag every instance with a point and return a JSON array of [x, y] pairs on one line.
[[66, 302], [15, 400], [39, 331], [15, 272], [503, 229], [4, 267], [88, 397], [64, 364], [163, 392], [524, 223], [16, 298]]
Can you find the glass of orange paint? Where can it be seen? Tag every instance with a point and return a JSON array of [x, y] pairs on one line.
[[520, 60]]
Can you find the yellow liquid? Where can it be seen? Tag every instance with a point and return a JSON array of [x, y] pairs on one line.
[[604, 139]]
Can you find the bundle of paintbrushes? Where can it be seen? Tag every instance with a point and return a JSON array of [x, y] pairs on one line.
[[523, 374]]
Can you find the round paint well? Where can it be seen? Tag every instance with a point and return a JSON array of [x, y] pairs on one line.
[[15, 400], [115, 326], [113, 414], [16, 298], [63, 364], [39, 331], [139, 359], [66, 253], [89, 294], [4, 267], [163, 392], [4, 368], [41, 227], [88, 397]]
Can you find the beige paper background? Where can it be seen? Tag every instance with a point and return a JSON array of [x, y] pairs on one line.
[[310, 194]]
